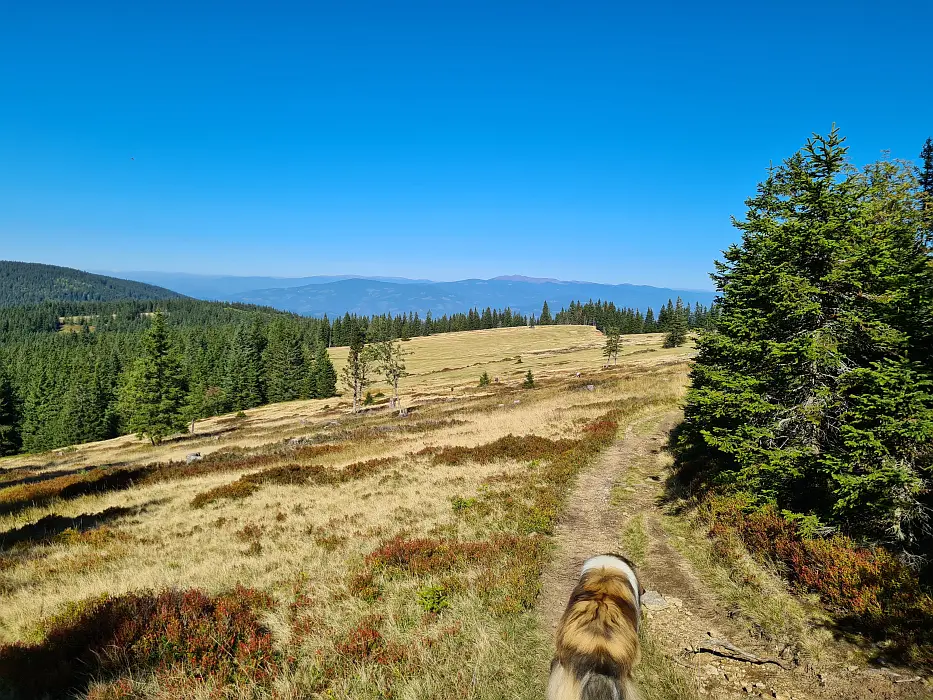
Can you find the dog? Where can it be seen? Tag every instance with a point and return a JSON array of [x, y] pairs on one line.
[[597, 638]]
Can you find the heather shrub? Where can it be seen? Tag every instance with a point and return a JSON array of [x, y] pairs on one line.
[[187, 631], [867, 586]]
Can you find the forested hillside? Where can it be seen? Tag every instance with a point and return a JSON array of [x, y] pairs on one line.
[[29, 283], [63, 364]]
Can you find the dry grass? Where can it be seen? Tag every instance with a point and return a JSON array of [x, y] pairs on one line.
[[325, 493]]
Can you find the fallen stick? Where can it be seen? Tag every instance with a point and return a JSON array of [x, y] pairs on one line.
[[746, 656]]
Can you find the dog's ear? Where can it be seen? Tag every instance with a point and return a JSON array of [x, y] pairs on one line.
[[641, 590]]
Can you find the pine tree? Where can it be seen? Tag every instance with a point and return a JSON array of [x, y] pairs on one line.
[[611, 348], [815, 391], [925, 181], [323, 377], [356, 374], [677, 326], [153, 396], [285, 363], [390, 357], [40, 412], [9, 417], [244, 377], [484, 379], [545, 318], [529, 382]]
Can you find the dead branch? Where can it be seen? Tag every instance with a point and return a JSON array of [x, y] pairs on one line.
[[739, 654]]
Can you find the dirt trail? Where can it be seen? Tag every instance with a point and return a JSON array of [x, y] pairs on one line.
[[687, 610]]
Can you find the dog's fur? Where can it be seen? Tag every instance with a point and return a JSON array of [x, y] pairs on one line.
[[597, 639]]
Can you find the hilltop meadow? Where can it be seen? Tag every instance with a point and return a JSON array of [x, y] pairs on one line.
[[317, 552]]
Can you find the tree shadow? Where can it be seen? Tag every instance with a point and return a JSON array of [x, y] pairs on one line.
[[34, 478], [48, 528], [74, 485]]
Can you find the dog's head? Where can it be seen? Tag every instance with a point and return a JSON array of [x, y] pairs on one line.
[[616, 562]]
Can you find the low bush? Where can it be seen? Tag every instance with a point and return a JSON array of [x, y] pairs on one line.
[[293, 475], [867, 587], [517, 448], [174, 631]]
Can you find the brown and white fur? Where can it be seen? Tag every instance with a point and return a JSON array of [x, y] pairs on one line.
[[597, 638]]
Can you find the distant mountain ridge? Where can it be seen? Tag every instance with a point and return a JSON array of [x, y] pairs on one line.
[[368, 297], [31, 283], [335, 295]]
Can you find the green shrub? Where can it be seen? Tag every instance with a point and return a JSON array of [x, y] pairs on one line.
[[433, 599]]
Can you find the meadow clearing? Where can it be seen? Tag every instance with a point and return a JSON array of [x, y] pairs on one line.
[[313, 553]]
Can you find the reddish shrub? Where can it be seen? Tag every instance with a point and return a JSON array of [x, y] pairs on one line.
[[519, 449], [237, 489], [867, 584], [218, 637]]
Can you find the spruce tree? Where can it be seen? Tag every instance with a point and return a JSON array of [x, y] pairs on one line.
[[815, 391], [677, 326], [529, 382], [153, 395], [9, 417], [545, 318], [244, 380], [285, 364], [40, 411], [925, 181], [323, 377]]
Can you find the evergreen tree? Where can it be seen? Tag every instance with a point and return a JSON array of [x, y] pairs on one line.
[[390, 357], [677, 326], [650, 326], [611, 348], [529, 382], [356, 374], [484, 379], [40, 412], [925, 180], [285, 363], [323, 377], [815, 391], [244, 380], [545, 318], [153, 396], [9, 417]]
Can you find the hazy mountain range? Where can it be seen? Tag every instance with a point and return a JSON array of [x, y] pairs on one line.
[[335, 295]]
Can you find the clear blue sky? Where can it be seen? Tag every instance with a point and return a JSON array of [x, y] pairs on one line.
[[605, 141]]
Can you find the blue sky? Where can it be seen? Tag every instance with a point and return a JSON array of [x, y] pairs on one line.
[[602, 141]]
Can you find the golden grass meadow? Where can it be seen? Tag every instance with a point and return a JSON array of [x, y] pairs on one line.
[[314, 553]]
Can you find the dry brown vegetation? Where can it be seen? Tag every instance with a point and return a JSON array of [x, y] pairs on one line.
[[312, 553]]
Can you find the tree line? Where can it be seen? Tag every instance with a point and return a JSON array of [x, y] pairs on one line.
[[63, 365]]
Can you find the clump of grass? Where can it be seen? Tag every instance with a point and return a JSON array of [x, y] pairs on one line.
[[138, 633], [635, 540]]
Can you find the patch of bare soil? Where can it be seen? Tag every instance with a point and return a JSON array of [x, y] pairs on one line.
[[686, 617]]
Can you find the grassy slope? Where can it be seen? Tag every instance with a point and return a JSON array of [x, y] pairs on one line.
[[450, 618]]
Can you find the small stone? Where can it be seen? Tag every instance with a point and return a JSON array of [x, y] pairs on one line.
[[851, 669], [517, 401], [590, 387], [652, 600], [758, 685]]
